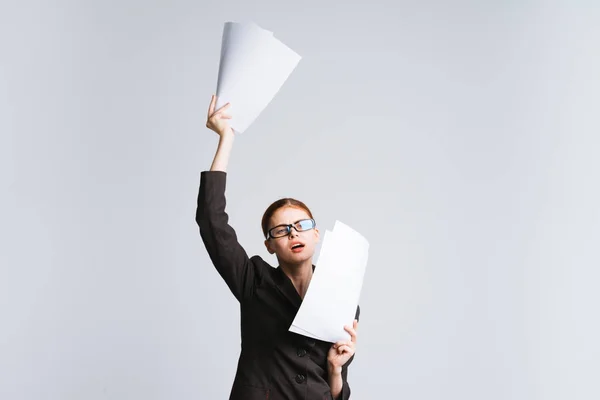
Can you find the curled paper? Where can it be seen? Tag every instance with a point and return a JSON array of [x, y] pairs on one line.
[[253, 67], [334, 291]]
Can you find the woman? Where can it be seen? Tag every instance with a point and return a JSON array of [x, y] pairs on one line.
[[274, 363]]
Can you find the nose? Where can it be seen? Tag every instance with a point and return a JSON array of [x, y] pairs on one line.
[[293, 232]]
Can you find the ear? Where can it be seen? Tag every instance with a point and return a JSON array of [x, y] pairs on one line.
[[268, 246], [317, 234]]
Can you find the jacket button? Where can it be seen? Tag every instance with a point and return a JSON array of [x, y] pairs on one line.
[[300, 378], [301, 352]]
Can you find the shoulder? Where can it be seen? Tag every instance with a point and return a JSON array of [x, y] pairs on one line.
[[262, 267]]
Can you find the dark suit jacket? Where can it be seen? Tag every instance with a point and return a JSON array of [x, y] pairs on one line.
[[274, 364]]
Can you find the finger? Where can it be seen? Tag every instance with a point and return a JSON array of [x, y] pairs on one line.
[[219, 115], [343, 343], [211, 107], [225, 107], [352, 333], [345, 349], [223, 114]]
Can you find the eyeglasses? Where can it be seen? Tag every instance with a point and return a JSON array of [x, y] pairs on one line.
[[284, 230]]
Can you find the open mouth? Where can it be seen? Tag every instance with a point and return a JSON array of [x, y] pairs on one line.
[[297, 247]]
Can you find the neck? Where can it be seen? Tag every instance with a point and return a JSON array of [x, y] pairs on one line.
[[300, 275]]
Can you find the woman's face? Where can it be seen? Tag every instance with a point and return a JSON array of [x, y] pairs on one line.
[[296, 247]]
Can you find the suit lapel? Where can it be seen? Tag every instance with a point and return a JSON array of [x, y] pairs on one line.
[[285, 286], [287, 289]]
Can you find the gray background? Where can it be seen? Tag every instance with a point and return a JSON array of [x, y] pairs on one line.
[[459, 137]]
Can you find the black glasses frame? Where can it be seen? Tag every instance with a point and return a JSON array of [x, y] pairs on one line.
[[289, 228]]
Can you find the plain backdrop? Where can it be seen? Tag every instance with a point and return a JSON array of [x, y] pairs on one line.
[[460, 137]]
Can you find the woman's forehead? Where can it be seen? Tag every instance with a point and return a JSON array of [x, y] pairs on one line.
[[288, 215]]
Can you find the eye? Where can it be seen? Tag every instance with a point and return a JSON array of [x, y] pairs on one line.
[[304, 224]]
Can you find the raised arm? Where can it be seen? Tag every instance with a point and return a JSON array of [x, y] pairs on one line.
[[220, 239], [217, 121]]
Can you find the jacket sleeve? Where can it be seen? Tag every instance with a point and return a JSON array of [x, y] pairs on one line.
[[345, 393], [220, 239]]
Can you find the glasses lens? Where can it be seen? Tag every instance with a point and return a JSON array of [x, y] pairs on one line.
[[305, 224], [280, 231]]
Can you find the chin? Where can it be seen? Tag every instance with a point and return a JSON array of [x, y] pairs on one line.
[[305, 257]]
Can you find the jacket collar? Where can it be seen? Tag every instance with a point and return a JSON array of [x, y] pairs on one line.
[[287, 288]]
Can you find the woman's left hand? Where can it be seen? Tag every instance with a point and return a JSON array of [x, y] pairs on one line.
[[341, 351]]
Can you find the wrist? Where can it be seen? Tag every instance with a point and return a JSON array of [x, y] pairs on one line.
[[334, 370], [227, 134]]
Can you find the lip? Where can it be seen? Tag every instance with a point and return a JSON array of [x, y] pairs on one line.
[[295, 242]]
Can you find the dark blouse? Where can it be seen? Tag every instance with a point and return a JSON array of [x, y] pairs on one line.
[[274, 363]]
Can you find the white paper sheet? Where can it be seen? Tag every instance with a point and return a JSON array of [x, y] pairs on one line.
[[253, 67], [332, 296], [301, 331]]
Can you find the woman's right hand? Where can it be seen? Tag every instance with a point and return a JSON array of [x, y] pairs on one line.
[[217, 120]]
